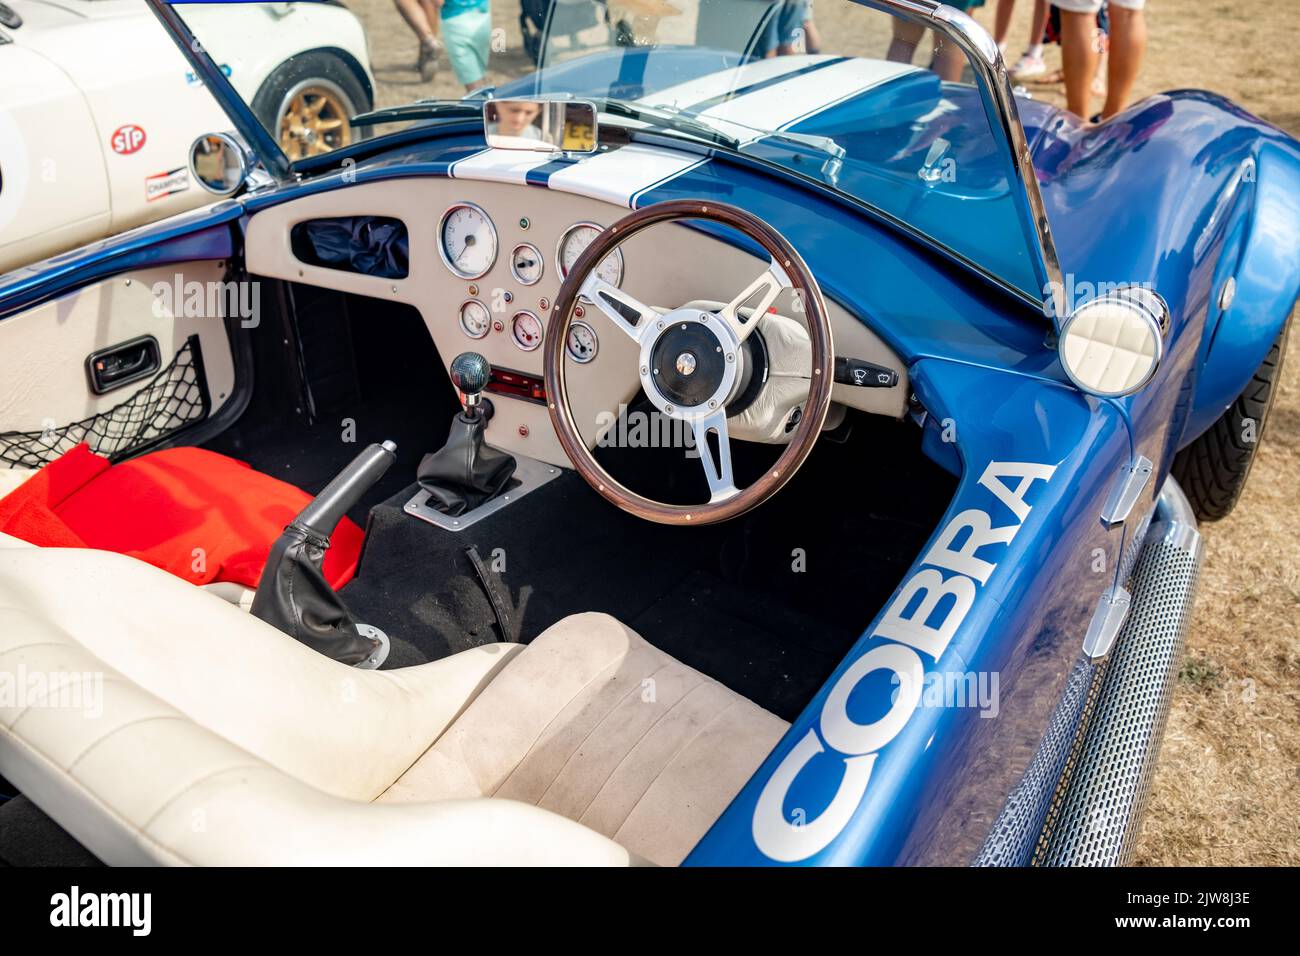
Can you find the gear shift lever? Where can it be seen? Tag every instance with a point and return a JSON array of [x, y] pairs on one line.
[[470, 373], [464, 473]]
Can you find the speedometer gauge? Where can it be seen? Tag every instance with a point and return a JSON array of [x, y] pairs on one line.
[[575, 241], [467, 240]]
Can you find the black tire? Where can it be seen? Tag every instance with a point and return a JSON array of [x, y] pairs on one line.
[[1213, 469], [320, 66]]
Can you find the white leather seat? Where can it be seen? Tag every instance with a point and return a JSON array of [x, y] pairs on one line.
[[202, 735]]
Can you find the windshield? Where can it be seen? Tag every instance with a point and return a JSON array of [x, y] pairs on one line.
[[874, 106]]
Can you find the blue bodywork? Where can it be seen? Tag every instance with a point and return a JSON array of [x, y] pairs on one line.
[[1183, 191]]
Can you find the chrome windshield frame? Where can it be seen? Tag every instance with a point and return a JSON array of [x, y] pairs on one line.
[[998, 96], [994, 83]]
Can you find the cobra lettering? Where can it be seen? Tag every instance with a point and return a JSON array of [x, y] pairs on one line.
[[906, 625]]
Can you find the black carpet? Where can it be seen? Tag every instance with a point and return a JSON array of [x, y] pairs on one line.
[[29, 838], [767, 604], [366, 371]]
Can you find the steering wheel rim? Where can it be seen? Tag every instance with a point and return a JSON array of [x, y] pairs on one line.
[[786, 270]]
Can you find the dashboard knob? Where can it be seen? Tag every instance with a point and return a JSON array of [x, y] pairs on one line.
[[470, 373]]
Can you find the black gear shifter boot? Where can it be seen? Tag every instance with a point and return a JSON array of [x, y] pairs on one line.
[[465, 472]]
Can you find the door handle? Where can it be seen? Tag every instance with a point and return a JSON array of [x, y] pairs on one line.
[[123, 364]]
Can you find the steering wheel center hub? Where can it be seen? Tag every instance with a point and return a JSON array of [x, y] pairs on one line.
[[689, 362]]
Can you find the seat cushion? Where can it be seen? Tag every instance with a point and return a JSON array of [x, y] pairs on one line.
[[593, 723], [197, 514]]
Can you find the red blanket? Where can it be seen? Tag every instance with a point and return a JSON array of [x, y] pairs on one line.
[[202, 516]]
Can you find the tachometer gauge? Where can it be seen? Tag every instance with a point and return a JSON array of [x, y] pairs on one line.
[[467, 240], [582, 344], [526, 329], [475, 320], [575, 241], [526, 264]]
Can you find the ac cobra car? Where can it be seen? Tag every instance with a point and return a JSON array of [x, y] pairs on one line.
[[672, 453]]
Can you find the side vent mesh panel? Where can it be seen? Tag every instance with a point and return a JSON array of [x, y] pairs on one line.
[[174, 398]]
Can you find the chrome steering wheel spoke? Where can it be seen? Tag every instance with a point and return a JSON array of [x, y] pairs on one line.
[[634, 318], [767, 286], [717, 468]]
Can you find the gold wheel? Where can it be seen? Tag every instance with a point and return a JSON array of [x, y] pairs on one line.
[[314, 120]]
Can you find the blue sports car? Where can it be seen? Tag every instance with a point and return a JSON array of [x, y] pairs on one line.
[[691, 445]]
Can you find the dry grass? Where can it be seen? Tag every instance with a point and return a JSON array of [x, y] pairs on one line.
[[1227, 789]]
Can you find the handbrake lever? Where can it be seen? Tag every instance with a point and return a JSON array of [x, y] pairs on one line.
[[293, 594]]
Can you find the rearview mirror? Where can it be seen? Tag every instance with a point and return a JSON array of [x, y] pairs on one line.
[[219, 163], [544, 126]]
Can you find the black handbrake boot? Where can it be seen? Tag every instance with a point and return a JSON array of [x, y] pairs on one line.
[[293, 594], [465, 472]]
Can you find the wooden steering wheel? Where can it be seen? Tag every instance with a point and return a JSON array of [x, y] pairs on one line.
[[690, 361]]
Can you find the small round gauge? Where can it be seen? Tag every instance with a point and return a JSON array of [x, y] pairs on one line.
[[467, 240], [582, 343], [575, 241], [475, 319], [526, 264], [526, 330]]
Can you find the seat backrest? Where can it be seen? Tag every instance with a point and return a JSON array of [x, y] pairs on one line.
[[136, 781], [158, 723]]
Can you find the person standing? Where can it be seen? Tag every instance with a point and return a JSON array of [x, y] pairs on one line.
[[1080, 52], [948, 61], [422, 17], [467, 36]]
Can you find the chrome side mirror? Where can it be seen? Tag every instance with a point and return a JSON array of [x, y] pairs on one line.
[[1112, 345], [219, 162], [543, 126]]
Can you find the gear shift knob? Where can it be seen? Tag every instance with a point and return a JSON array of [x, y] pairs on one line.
[[470, 373]]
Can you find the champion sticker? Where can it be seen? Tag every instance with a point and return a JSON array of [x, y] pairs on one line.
[[127, 139], [161, 185]]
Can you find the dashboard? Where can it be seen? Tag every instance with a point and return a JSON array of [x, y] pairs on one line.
[[486, 260]]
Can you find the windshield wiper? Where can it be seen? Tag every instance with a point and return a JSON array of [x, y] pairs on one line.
[[420, 109], [670, 119]]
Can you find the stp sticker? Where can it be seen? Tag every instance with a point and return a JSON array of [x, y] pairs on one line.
[[169, 183], [127, 139]]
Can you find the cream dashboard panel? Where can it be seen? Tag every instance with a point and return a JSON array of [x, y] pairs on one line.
[[665, 267]]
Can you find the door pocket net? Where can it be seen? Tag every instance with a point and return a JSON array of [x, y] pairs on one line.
[[175, 398]]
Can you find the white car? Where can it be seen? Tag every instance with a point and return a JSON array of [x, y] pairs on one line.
[[98, 108]]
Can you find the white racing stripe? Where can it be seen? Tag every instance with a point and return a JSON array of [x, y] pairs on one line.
[[500, 165], [620, 175], [684, 96], [783, 104]]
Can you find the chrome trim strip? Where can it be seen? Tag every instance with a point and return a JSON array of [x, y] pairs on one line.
[[1112, 611], [1128, 487]]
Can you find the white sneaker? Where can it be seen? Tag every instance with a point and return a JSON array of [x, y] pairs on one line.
[[1028, 66]]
